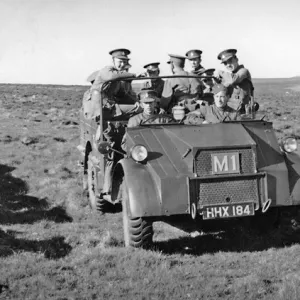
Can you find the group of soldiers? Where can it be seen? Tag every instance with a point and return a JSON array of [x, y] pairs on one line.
[[207, 97]]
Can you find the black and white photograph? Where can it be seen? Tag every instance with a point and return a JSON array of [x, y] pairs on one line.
[[149, 149]]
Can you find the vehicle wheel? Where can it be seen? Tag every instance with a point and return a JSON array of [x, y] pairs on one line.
[[138, 232], [96, 203], [290, 225]]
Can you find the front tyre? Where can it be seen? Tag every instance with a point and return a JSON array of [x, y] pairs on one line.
[[290, 225], [138, 232]]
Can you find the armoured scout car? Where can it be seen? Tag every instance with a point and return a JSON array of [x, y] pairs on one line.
[[235, 169]]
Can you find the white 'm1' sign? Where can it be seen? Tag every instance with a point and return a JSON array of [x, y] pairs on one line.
[[225, 163]]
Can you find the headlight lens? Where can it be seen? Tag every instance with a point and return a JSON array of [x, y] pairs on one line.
[[290, 144], [139, 153]]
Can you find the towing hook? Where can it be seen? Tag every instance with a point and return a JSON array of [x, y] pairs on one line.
[[266, 205]]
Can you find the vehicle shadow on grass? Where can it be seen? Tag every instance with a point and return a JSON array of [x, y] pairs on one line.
[[16, 207], [53, 248], [233, 237]]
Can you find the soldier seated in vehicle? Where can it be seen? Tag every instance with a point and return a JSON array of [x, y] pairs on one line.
[[216, 113], [194, 56], [207, 97], [237, 79], [155, 84], [149, 103], [180, 91], [115, 93]]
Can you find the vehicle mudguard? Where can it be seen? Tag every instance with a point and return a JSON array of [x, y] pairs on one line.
[[143, 192], [293, 164]]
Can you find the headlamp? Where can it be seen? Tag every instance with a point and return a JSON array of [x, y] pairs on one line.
[[139, 153], [289, 144]]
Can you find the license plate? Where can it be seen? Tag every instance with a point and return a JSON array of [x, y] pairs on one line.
[[225, 163], [228, 211]]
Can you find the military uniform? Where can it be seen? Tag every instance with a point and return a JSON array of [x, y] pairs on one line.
[[182, 91], [211, 114], [239, 81], [208, 96], [155, 84], [115, 92], [138, 119]]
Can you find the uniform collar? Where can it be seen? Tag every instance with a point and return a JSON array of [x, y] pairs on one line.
[[238, 68]]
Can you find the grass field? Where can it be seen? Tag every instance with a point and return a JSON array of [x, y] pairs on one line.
[[53, 247]]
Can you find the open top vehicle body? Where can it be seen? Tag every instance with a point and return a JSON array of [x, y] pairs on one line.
[[230, 169]]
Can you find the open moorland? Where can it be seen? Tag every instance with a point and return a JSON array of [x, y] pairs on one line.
[[53, 247]]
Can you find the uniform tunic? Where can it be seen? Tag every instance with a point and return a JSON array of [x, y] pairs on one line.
[[198, 70], [136, 120], [211, 114], [240, 86], [115, 90], [157, 85], [114, 93], [180, 89]]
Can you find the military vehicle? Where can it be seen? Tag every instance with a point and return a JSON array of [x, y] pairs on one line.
[[235, 169]]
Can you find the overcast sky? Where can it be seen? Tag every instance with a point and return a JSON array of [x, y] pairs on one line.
[[63, 41]]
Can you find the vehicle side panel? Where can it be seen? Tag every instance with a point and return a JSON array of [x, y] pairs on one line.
[[271, 160]]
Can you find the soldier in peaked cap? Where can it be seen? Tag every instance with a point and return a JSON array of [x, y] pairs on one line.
[[194, 56], [148, 100], [180, 91], [152, 70], [208, 84], [216, 113], [115, 92], [237, 78]]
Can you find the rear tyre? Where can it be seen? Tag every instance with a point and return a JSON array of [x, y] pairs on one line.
[[290, 225], [96, 203], [138, 232]]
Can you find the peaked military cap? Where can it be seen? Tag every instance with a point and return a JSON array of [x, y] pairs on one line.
[[92, 77], [219, 88], [226, 54], [147, 95], [207, 72], [121, 53], [191, 54], [176, 58], [152, 66]]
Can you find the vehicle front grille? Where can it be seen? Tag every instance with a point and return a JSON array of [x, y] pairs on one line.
[[225, 190], [203, 161]]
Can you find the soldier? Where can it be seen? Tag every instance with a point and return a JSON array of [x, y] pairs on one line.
[[216, 113], [152, 70], [237, 79], [180, 91], [194, 56], [208, 83], [116, 91], [148, 100]]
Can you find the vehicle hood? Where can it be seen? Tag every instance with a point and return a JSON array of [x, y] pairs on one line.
[[172, 148]]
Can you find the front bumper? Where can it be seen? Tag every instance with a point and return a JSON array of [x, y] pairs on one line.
[[228, 190]]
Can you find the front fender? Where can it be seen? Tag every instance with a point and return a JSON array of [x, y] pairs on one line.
[[143, 193]]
